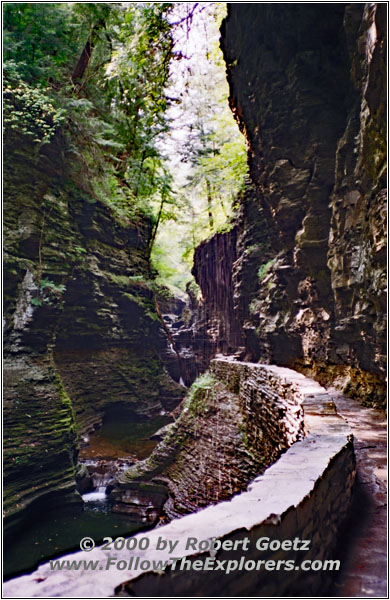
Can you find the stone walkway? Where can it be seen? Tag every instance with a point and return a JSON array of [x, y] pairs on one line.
[[363, 551], [306, 492], [280, 490]]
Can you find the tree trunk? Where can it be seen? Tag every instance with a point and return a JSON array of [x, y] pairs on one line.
[[86, 54], [209, 206], [153, 238]]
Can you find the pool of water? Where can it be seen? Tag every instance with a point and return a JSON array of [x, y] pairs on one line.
[[55, 536], [120, 436]]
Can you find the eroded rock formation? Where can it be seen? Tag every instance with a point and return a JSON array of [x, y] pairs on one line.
[[307, 86], [299, 281], [217, 320], [81, 330], [305, 495]]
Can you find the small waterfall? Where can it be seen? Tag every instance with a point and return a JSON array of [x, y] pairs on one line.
[[103, 475], [98, 500], [98, 495]]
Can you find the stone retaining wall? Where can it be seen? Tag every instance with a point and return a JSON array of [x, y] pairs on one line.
[[304, 495], [273, 405], [233, 425]]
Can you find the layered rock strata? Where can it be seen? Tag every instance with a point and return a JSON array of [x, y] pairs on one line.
[[81, 330], [307, 86], [217, 320], [232, 426]]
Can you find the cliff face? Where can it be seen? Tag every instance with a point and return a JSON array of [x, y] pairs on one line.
[[299, 281], [81, 331], [307, 86], [217, 319]]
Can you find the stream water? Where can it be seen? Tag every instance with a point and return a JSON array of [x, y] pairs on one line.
[[98, 500], [54, 536], [119, 443], [123, 437]]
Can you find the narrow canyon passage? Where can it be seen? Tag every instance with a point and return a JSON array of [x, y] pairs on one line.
[[195, 261], [118, 444]]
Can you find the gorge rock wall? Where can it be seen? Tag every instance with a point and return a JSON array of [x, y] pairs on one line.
[[211, 323], [217, 323], [81, 333], [307, 86]]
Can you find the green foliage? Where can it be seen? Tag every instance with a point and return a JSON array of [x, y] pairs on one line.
[[215, 149], [218, 158], [135, 81], [114, 110], [49, 292], [51, 287], [166, 260], [36, 302], [208, 158], [29, 110], [264, 268], [200, 392], [39, 41], [79, 250], [100, 74]]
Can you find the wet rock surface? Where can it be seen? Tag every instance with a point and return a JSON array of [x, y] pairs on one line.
[[40, 441], [277, 504], [299, 281], [104, 473], [120, 444], [217, 321], [183, 354], [235, 421]]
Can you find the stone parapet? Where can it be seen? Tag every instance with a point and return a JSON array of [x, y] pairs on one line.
[[304, 495]]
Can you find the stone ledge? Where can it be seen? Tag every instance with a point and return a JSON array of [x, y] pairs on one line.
[[304, 494]]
